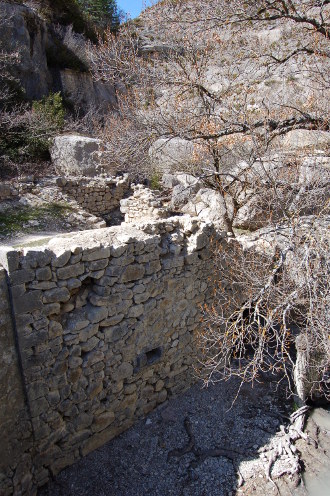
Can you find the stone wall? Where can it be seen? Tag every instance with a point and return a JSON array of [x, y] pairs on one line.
[[144, 203], [106, 324], [15, 425], [98, 196], [8, 191]]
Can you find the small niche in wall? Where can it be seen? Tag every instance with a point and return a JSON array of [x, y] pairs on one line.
[[153, 355], [148, 358]]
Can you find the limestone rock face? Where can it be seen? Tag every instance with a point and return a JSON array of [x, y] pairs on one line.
[[303, 138], [23, 31], [171, 154], [76, 155], [84, 93]]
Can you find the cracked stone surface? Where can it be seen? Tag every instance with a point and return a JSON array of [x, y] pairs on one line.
[[193, 445]]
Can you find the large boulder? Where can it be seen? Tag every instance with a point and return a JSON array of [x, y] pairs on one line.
[[300, 139], [209, 206], [76, 155], [185, 186]]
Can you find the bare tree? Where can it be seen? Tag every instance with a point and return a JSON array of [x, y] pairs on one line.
[[233, 78], [212, 83]]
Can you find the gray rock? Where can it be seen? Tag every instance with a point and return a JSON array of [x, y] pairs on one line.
[[133, 272], [76, 155], [302, 139], [171, 154], [83, 92], [96, 314], [209, 206], [56, 295], [71, 271]]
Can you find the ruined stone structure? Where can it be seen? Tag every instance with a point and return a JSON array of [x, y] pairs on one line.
[[144, 203], [10, 190], [97, 329], [97, 196]]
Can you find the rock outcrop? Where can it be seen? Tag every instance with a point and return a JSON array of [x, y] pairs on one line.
[[74, 155], [44, 64]]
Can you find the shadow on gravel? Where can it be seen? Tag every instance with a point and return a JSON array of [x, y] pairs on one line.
[[191, 446]]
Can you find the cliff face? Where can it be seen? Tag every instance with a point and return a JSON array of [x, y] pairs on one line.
[[45, 63]]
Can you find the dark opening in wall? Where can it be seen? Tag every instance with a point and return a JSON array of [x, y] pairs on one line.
[[148, 358], [153, 355]]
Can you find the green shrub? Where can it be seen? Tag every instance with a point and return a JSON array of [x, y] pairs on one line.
[[25, 131], [48, 118], [155, 181], [51, 108], [103, 13]]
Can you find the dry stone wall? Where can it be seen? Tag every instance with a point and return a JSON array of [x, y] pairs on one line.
[[97, 196], [144, 203], [12, 190], [16, 440], [106, 323]]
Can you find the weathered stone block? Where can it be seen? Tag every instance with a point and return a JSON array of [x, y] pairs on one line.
[[88, 332], [153, 267], [76, 155], [28, 302], [33, 259], [112, 321], [98, 254], [9, 259], [73, 284], [96, 314], [51, 309], [124, 371], [56, 295], [44, 274], [77, 321], [90, 344], [22, 276], [98, 264], [141, 297], [135, 311], [92, 357], [37, 390], [42, 285], [75, 362], [62, 259], [133, 272], [70, 271]]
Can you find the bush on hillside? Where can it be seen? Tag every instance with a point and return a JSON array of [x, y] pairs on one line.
[[25, 131]]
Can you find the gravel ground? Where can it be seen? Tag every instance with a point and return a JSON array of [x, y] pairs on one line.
[[194, 445]]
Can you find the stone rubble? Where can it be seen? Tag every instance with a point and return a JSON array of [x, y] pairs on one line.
[[143, 204]]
